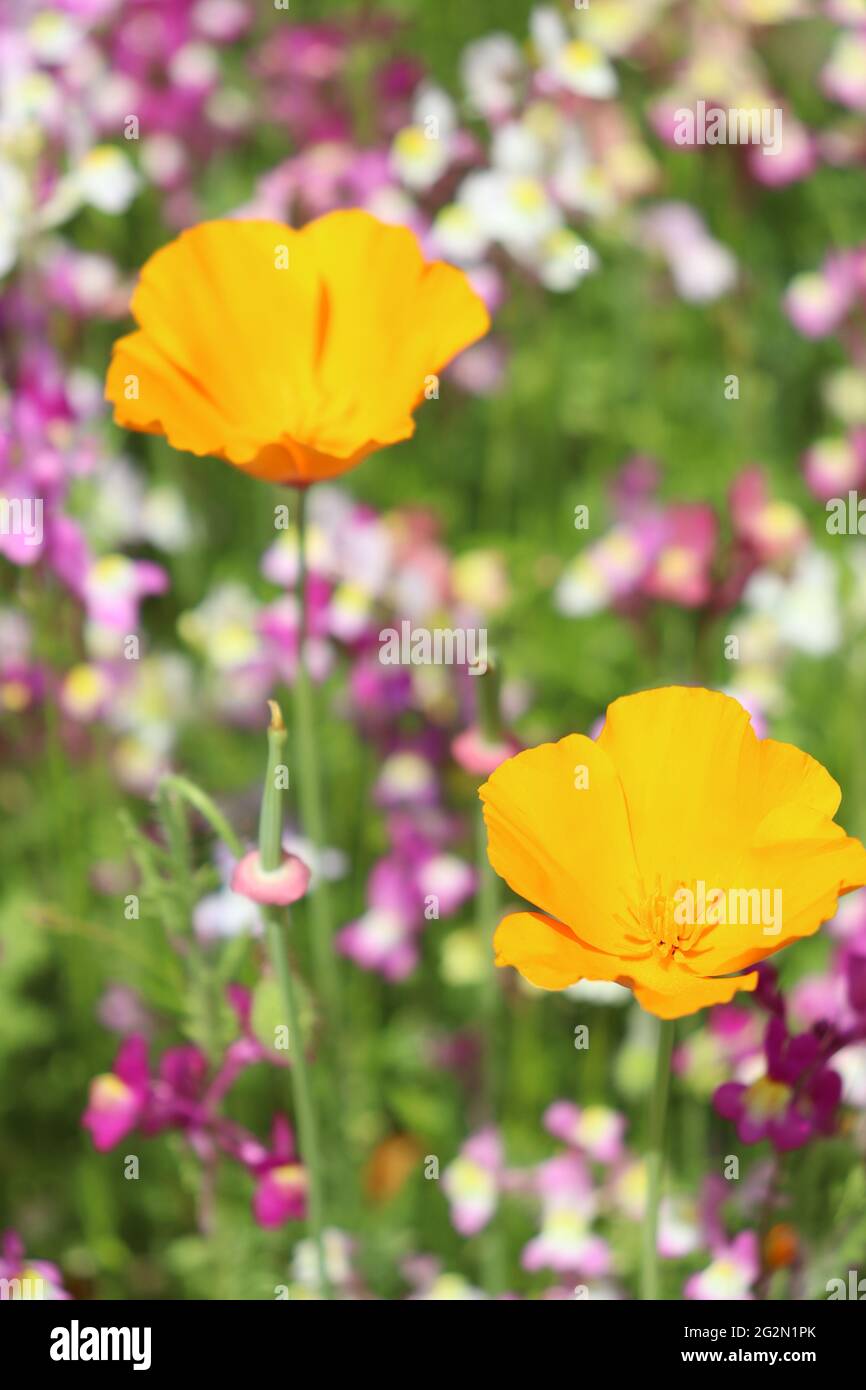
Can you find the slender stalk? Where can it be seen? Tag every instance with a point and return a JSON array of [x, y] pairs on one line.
[[487, 907], [207, 809], [488, 687], [655, 1160], [303, 1097], [179, 905], [487, 910], [310, 792], [270, 855]]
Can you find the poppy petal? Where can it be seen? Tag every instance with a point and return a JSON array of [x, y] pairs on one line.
[[548, 954], [558, 833]]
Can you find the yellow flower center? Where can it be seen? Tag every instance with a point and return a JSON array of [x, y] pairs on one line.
[[661, 920], [412, 144], [780, 520], [289, 1175], [595, 1122], [528, 195], [660, 925], [766, 1098], [677, 563], [113, 571], [109, 1090], [14, 696], [577, 56], [84, 687]]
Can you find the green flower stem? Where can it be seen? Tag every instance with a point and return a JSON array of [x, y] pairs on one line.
[[489, 717], [271, 812], [310, 796], [487, 912], [655, 1160], [177, 908], [207, 809], [270, 854], [303, 1097]]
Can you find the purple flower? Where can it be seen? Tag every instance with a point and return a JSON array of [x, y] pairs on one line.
[[796, 1098], [23, 1278], [281, 1190], [681, 570], [118, 1098]]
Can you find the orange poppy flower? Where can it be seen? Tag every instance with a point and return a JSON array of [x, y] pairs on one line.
[[291, 354], [674, 850]]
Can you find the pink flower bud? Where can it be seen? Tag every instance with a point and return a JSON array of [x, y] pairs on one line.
[[278, 887], [479, 757]]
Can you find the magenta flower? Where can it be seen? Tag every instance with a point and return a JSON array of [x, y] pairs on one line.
[[773, 530], [118, 1098], [23, 1278], [681, 570], [377, 693], [796, 1099], [281, 1189], [22, 685], [855, 965]]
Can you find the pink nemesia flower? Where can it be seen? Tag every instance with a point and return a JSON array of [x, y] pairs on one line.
[[115, 586], [594, 1129], [796, 158], [678, 1230], [730, 1276], [843, 76], [701, 268], [118, 1098], [406, 778], [448, 879], [775, 530], [471, 1182], [681, 569], [23, 1278], [566, 1243], [796, 1099], [384, 937], [281, 1191], [833, 467], [818, 301]]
